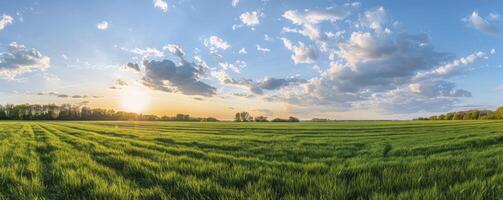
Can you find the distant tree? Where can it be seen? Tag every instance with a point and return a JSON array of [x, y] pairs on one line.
[[449, 116], [322, 120], [458, 116], [499, 113], [293, 119], [261, 119], [290, 119], [243, 117], [75, 112]]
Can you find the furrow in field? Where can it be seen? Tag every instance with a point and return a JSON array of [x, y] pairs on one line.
[[73, 174], [149, 171], [189, 152], [18, 164]]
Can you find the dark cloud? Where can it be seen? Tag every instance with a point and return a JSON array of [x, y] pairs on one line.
[[167, 76], [258, 87], [133, 66]]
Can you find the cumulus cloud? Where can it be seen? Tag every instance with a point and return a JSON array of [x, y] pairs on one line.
[[481, 24], [379, 69], [301, 53], [102, 25], [214, 43], [161, 4], [5, 20], [184, 78], [18, 60], [309, 20], [167, 76], [250, 18]]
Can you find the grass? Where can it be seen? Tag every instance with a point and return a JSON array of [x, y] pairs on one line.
[[177, 160]]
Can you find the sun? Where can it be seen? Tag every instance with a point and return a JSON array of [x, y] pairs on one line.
[[135, 100]]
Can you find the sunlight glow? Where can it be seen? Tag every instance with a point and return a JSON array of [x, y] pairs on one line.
[[135, 100]]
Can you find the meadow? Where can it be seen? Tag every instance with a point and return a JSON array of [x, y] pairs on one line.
[[227, 160]]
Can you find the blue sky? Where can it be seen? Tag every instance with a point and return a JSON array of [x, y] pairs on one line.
[[334, 59]]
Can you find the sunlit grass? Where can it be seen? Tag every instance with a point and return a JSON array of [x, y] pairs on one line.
[[178, 160]]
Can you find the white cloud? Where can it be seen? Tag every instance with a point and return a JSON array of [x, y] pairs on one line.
[[243, 51], [494, 16], [451, 67], [301, 53], [267, 38], [214, 43], [311, 18], [174, 49], [250, 18], [235, 3], [146, 52], [481, 24], [102, 25], [161, 4], [18, 60], [236, 66], [6, 20], [263, 49], [374, 19]]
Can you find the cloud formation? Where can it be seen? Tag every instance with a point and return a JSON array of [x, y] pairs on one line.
[[258, 87], [102, 25], [213, 43], [59, 95], [301, 53], [18, 60], [375, 68], [309, 21], [161, 4], [481, 24], [5, 20], [263, 49], [250, 18], [165, 75], [235, 3]]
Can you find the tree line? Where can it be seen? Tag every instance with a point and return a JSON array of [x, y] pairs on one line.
[[468, 115], [246, 117], [75, 112]]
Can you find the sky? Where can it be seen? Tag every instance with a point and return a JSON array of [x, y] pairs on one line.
[[278, 58]]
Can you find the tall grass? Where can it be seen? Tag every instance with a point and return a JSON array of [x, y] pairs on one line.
[[177, 160]]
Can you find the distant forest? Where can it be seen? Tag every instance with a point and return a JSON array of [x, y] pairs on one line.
[[75, 112], [468, 115]]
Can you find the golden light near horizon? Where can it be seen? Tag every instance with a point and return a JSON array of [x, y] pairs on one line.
[[135, 100]]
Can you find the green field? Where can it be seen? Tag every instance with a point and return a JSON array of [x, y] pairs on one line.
[[176, 160]]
